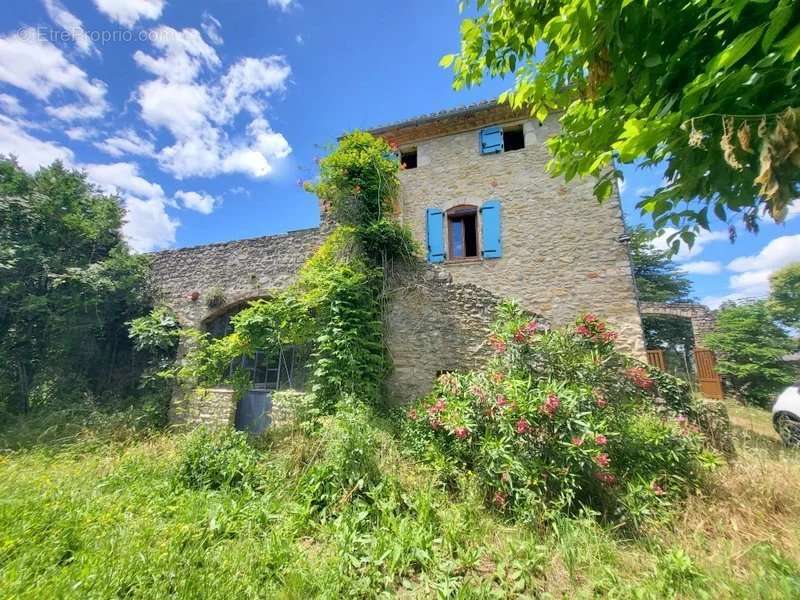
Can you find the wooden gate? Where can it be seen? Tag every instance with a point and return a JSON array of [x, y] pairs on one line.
[[655, 358], [707, 376]]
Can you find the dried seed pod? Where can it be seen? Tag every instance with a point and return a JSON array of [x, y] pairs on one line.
[[726, 143], [695, 137], [743, 134]]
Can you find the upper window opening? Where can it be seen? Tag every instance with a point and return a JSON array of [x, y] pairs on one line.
[[513, 138], [408, 158], [462, 232]]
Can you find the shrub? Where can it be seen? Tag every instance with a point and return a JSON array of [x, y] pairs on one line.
[[218, 459], [557, 422]]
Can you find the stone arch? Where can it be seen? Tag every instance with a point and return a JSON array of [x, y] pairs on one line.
[[701, 317]]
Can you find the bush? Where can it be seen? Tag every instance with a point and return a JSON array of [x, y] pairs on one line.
[[558, 422], [218, 460]]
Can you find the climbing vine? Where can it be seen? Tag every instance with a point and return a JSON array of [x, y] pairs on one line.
[[336, 305]]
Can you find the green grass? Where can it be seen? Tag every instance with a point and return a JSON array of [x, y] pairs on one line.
[[95, 512]]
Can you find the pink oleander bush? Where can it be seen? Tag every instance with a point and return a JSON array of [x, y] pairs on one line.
[[559, 421]]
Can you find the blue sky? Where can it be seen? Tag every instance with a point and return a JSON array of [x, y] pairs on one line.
[[204, 115]]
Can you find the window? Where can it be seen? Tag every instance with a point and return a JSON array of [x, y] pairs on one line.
[[462, 232], [501, 139], [408, 158], [513, 138]]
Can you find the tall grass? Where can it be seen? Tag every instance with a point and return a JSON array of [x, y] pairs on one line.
[[99, 515]]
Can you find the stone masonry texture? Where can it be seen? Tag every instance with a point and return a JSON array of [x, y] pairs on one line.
[[562, 253]]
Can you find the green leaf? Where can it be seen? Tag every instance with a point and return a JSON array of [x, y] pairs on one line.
[[447, 60], [736, 50], [790, 45], [778, 20]]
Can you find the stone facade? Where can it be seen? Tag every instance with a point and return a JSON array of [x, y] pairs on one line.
[[563, 253], [701, 316], [241, 270], [434, 325], [212, 407]]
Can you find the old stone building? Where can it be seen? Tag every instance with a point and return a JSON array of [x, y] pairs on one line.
[[493, 224]]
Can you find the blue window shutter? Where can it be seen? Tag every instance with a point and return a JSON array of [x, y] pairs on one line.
[[491, 140], [491, 230], [435, 227]]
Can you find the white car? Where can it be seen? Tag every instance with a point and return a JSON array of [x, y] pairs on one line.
[[786, 415]]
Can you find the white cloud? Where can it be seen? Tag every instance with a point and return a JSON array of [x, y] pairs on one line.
[[31, 152], [147, 225], [779, 252], [212, 27], [644, 191], [128, 12], [38, 67], [11, 105], [201, 202], [701, 267], [284, 5], [80, 134], [122, 178], [184, 54], [794, 210], [71, 24], [299, 39], [752, 272], [127, 142], [200, 113], [704, 237]]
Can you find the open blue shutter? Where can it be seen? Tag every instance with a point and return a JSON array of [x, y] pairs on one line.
[[435, 227], [491, 140], [490, 229]]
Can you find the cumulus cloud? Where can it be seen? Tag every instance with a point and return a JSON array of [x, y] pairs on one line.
[[126, 142], [701, 267], [80, 134], [752, 273], [201, 202], [40, 68], [128, 12], [200, 112], [71, 24], [212, 27], [147, 225], [31, 152], [703, 239]]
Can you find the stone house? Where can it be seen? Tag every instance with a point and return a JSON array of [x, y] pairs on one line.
[[493, 224]]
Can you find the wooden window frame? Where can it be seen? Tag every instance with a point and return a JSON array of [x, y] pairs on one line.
[[458, 211]]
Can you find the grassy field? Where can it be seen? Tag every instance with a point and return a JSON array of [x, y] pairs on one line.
[[95, 512]]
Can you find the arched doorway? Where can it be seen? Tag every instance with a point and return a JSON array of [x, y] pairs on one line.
[[268, 370], [674, 333]]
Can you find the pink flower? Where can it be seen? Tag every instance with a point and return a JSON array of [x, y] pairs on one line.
[[500, 499], [638, 377], [519, 335], [602, 460], [501, 400], [435, 423], [600, 440], [551, 405], [601, 402], [681, 419], [657, 489], [461, 432], [590, 318], [582, 330], [412, 414], [578, 441], [605, 478], [523, 426], [498, 344], [478, 392]]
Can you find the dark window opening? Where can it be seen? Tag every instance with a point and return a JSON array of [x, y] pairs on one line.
[[513, 138], [463, 232], [408, 158]]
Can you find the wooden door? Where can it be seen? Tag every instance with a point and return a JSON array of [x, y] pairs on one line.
[[655, 358], [707, 376]]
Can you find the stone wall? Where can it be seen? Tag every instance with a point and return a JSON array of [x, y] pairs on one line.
[[562, 253], [701, 316], [434, 325], [240, 270], [212, 407]]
